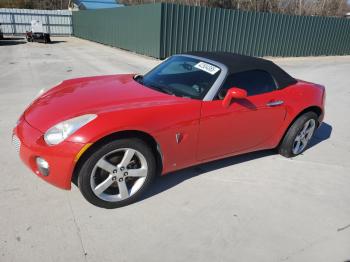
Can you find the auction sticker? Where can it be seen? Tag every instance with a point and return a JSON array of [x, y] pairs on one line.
[[207, 68]]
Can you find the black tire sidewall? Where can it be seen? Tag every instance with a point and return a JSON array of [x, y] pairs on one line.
[[85, 171]]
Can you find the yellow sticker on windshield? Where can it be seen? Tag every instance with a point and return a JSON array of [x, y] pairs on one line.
[[207, 68]]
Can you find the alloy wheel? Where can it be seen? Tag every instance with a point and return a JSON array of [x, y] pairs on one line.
[[304, 136], [119, 174]]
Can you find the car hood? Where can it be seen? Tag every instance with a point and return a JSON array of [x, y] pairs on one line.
[[92, 95]]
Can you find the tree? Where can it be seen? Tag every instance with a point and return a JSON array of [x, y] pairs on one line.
[[293, 7], [34, 4]]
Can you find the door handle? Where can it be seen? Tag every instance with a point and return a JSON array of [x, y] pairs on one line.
[[275, 103]]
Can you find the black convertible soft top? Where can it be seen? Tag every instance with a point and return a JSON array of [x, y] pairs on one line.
[[239, 63]]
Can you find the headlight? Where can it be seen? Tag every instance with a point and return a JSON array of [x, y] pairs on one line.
[[62, 130]]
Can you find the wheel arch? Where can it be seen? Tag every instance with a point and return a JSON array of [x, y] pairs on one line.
[[315, 109], [147, 138]]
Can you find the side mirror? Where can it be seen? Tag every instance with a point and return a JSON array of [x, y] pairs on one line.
[[233, 93]]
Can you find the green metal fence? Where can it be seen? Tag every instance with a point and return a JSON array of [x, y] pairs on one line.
[[160, 30], [133, 28]]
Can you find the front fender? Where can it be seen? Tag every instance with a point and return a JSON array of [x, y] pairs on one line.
[[163, 124]]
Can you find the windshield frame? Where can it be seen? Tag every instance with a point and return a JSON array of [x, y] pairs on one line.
[[209, 96]]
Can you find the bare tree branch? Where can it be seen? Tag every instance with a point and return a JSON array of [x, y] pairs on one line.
[[293, 7]]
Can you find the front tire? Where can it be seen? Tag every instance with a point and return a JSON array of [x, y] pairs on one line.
[[117, 173], [298, 135]]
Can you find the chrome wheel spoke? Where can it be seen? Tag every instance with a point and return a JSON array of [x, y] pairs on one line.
[[303, 142], [100, 188], [138, 172], [128, 155], [308, 134], [123, 189], [138, 184], [105, 165], [297, 144], [310, 130], [306, 126]]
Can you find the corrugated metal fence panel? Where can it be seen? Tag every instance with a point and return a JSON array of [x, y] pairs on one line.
[[17, 21], [160, 30], [134, 28], [190, 28]]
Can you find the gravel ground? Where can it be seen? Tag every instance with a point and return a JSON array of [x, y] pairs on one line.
[[255, 207]]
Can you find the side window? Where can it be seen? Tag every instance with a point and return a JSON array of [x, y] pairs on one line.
[[254, 82]]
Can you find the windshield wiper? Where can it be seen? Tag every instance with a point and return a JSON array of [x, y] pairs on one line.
[[162, 89]]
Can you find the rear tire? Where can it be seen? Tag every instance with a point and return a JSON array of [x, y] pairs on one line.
[[117, 173], [299, 134]]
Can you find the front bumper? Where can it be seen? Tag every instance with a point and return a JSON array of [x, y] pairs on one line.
[[61, 157]]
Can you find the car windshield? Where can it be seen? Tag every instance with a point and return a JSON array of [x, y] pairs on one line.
[[182, 76]]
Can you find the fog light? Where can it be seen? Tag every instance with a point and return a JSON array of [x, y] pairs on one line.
[[43, 166]]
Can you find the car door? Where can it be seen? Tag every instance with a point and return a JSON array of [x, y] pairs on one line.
[[247, 124]]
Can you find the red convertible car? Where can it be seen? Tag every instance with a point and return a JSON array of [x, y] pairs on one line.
[[113, 134]]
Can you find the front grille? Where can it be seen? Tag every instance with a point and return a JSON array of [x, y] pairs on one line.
[[16, 143]]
